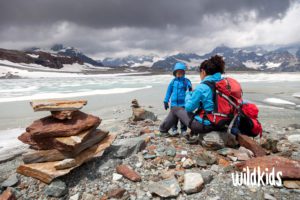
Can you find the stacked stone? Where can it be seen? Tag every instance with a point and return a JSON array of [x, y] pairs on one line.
[[62, 141]]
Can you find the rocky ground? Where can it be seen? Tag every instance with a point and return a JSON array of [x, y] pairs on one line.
[[141, 164]]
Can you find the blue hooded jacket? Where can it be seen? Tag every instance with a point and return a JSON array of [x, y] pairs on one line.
[[178, 87], [203, 94]]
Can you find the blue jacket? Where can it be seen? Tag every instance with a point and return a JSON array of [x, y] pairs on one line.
[[178, 88], [203, 94]]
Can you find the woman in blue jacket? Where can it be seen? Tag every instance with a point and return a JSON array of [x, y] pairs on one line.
[[201, 97], [176, 93]]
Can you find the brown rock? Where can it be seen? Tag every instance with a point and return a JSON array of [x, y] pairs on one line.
[[223, 162], [38, 144], [7, 195], [79, 142], [51, 127], [135, 103], [57, 155], [62, 115], [46, 172], [65, 164], [291, 184], [44, 156], [249, 143], [57, 105], [129, 173], [145, 131], [290, 168], [116, 193]]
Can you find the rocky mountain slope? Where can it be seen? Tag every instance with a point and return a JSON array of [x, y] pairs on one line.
[[285, 59]]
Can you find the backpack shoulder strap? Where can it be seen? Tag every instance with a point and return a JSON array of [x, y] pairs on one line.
[[212, 86]]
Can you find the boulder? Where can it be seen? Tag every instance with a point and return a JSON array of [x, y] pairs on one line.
[[290, 168], [57, 105], [128, 173], [50, 127], [166, 188], [46, 171], [193, 182]]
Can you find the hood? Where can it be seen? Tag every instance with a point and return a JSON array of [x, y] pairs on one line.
[[179, 66], [215, 77]]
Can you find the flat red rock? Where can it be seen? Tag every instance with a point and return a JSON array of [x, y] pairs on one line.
[[51, 127], [128, 173], [290, 168]]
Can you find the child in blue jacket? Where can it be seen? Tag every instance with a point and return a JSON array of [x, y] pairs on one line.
[[176, 92]]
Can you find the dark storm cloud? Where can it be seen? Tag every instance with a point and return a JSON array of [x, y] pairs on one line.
[[132, 13], [117, 27]]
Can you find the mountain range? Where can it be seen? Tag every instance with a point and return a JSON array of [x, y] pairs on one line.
[[284, 59]]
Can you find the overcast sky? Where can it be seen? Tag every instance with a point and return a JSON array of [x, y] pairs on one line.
[[109, 28]]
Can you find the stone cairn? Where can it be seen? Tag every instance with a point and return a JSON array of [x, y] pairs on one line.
[[62, 141]]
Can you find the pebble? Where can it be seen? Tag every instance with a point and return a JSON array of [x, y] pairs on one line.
[[117, 177]]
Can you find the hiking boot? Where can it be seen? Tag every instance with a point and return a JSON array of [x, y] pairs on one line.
[[185, 134], [193, 139], [163, 134], [174, 133]]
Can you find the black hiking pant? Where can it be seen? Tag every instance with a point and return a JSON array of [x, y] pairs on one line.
[[178, 113]]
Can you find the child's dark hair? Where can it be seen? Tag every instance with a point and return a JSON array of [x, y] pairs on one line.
[[213, 65]]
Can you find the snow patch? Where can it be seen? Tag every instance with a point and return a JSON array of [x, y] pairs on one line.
[[272, 65], [252, 65], [279, 102], [33, 55]]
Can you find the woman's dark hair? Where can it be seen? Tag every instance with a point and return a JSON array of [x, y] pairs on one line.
[[213, 65]]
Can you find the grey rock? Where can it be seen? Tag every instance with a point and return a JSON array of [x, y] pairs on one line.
[[57, 188], [165, 188], [129, 146], [193, 182], [171, 152], [75, 197], [269, 197], [207, 176], [295, 126], [218, 140], [200, 162], [208, 157], [149, 156], [109, 164], [87, 196], [188, 163], [295, 138], [296, 155], [11, 181]]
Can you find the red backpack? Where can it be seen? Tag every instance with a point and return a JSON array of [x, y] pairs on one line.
[[229, 111]]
